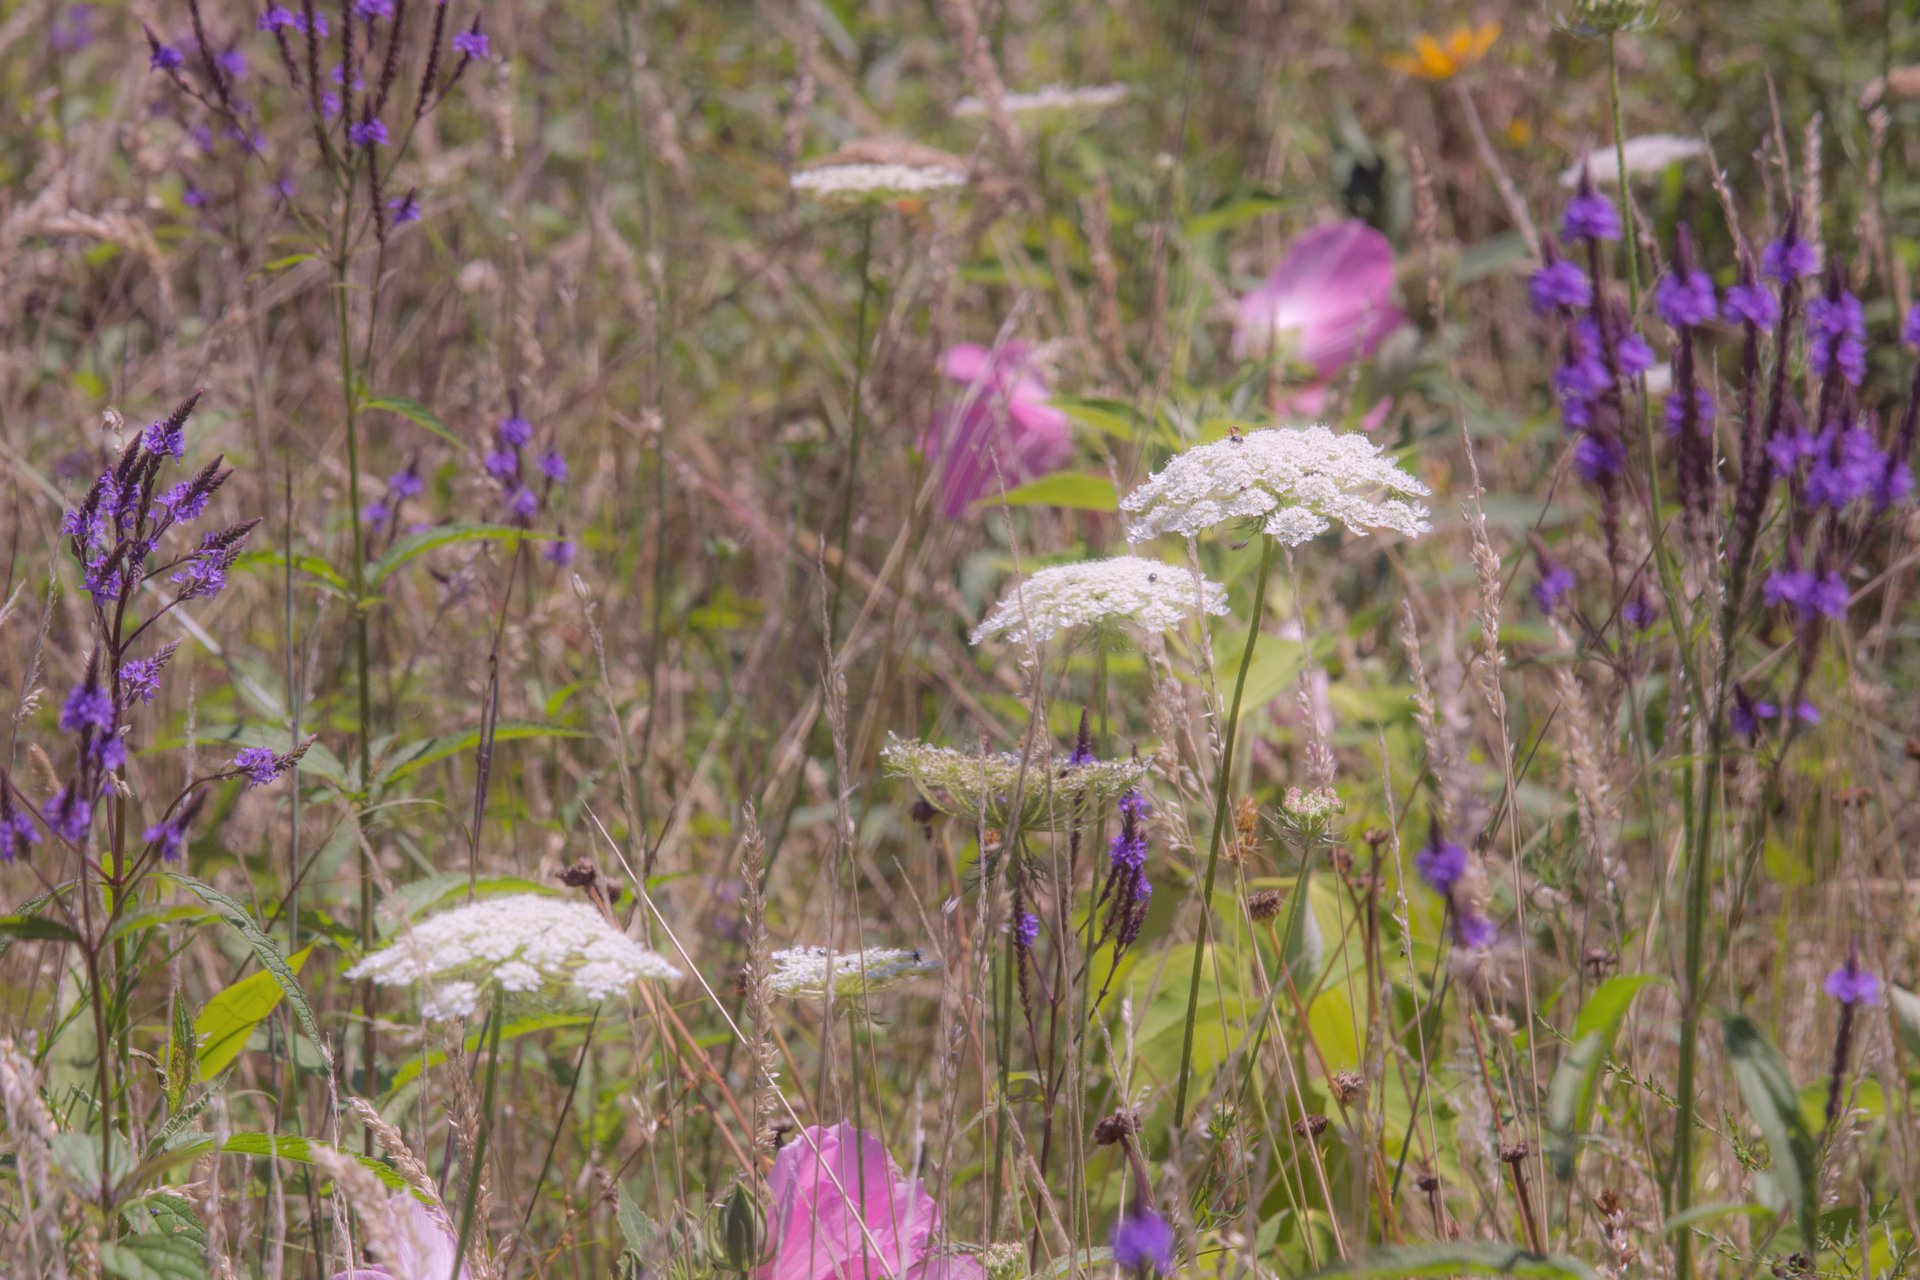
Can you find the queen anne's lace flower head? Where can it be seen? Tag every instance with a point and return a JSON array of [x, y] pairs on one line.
[[1648, 153], [1152, 595], [546, 949], [811, 971], [881, 168], [1049, 100], [980, 788], [1297, 481]]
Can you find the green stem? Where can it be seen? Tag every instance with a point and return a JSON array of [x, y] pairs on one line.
[[471, 1195], [1004, 1030], [1620, 159], [857, 429], [1222, 817]]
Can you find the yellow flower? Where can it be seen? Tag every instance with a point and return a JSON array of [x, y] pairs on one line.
[[1432, 59]]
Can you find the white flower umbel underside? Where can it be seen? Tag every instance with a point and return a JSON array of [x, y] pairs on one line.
[[1648, 153], [1147, 593], [528, 945], [982, 788], [809, 971], [852, 183], [1298, 482]]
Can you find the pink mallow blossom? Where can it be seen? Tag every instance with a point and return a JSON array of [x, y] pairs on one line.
[[817, 1233], [419, 1242], [999, 431], [1326, 305]]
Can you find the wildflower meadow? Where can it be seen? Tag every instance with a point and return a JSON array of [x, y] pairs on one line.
[[959, 639]]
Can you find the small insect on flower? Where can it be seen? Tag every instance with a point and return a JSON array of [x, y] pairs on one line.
[[537, 950], [1297, 481], [803, 972], [1101, 594]]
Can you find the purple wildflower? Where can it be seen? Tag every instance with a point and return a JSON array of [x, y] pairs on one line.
[[376, 512], [140, 679], [404, 209], [1828, 595], [515, 432], [502, 464], [1852, 983], [233, 62], [202, 577], [1596, 458], [1910, 331], [371, 9], [553, 465], [1685, 300], [69, 814], [1792, 587], [1836, 335], [110, 752], [1026, 930], [72, 30], [1143, 1240], [16, 829], [523, 503], [87, 707], [406, 484], [1441, 862], [1748, 712], [472, 42], [1559, 284], [164, 57], [278, 18], [1751, 302], [1806, 712], [1473, 931], [1556, 580], [1634, 355], [260, 765], [1590, 216], [560, 553], [169, 836], [186, 500], [1790, 258], [165, 436], [1676, 409], [370, 132]]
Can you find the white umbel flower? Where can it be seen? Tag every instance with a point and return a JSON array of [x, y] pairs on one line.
[[854, 183], [546, 949], [1148, 593], [1297, 481], [980, 788], [1049, 99], [1649, 153], [810, 971]]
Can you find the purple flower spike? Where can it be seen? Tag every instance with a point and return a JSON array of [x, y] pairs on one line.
[[1596, 458], [1590, 216], [1559, 284], [523, 503], [1853, 984], [17, 832], [1676, 409], [1026, 930], [69, 814], [164, 57], [1556, 581], [1474, 931], [140, 679], [1806, 712], [368, 133], [1685, 301], [1143, 1240], [502, 464], [1441, 862], [1829, 596], [553, 465], [169, 837], [472, 42], [1837, 335], [371, 9], [1790, 258], [87, 707], [1750, 302], [560, 553], [1910, 331], [404, 209], [279, 18], [260, 765], [516, 432]]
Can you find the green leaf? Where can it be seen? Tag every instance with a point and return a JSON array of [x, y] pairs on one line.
[[635, 1225], [31, 907], [416, 896], [36, 929], [183, 1052], [1233, 213], [1760, 1073], [1072, 490], [415, 412], [1460, 1257], [1109, 417], [271, 958], [300, 1150], [154, 1257], [223, 1026], [1570, 1095], [318, 761], [314, 566], [414, 545], [416, 756]]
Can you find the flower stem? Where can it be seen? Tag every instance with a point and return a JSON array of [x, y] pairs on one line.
[[475, 1172], [1222, 816], [857, 430], [1620, 160]]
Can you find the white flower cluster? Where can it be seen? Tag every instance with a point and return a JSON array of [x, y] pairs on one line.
[[979, 788], [1649, 153], [1049, 99], [1317, 805], [810, 971], [528, 945], [1296, 480], [1148, 593], [854, 183]]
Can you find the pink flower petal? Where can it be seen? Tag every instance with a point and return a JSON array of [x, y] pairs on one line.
[[1327, 303]]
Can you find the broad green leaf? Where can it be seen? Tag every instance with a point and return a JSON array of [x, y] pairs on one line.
[[31, 907], [311, 565], [635, 1225], [414, 897], [1109, 417], [36, 929], [154, 1257], [415, 412], [1460, 1257], [1760, 1073], [165, 1213], [1072, 490], [1233, 213], [183, 1051], [271, 958], [414, 545], [1570, 1094], [223, 1026], [418, 755], [300, 1150]]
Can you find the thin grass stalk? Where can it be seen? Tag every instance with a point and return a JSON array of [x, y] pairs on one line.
[[1222, 818], [857, 428], [471, 1195]]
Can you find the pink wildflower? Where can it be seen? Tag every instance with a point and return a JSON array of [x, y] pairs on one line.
[[421, 1244], [999, 431], [817, 1232]]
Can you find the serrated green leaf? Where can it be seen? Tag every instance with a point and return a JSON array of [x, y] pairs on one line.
[[635, 1226], [418, 755], [1460, 1257], [415, 412], [1765, 1085], [1070, 490], [271, 958], [154, 1257], [414, 545], [223, 1026]]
